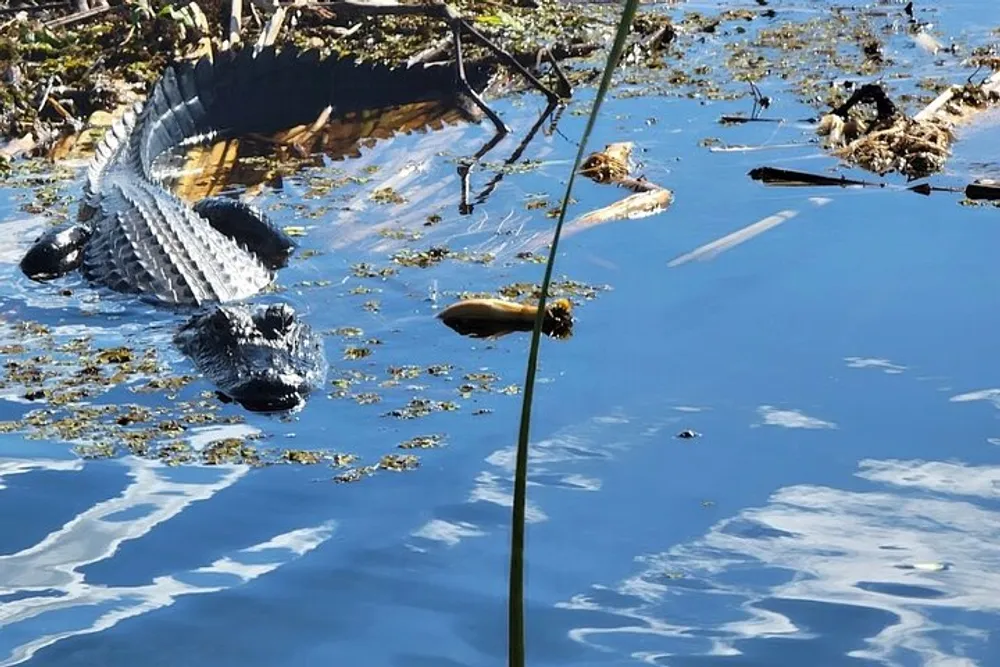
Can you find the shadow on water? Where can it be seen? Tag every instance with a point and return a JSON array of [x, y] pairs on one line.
[[839, 507]]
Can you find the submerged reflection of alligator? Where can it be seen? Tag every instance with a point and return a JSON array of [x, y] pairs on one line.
[[135, 236]]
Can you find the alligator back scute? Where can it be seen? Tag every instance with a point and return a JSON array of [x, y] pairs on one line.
[[148, 241], [109, 150]]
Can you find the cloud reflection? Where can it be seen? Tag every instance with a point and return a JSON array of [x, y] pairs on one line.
[[551, 462], [879, 576], [47, 597], [772, 416], [867, 362]]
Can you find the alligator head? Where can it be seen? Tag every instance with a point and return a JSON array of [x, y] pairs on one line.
[[262, 357]]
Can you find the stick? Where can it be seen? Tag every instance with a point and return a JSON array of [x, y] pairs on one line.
[[235, 21], [776, 176], [271, 30], [934, 109], [435, 50], [79, 17]]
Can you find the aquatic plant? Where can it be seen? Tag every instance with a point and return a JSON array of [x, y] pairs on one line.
[[515, 621]]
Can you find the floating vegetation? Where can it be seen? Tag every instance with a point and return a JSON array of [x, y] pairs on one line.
[[398, 462], [307, 457], [355, 353], [387, 196], [404, 372], [230, 450], [368, 398], [565, 288], [426, 258], [348, 332], [388, 462], [422, 442], [400, 234], [421, 407]]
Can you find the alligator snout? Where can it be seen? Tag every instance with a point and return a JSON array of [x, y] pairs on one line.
[[272, 392]]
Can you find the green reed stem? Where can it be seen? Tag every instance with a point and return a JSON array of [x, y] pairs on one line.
[[515, 641]]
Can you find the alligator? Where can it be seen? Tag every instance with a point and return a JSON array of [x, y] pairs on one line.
[[134, 236]]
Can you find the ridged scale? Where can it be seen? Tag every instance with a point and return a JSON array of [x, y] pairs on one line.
[[147, 240]]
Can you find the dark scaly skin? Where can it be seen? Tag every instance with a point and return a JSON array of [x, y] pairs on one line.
[[264, 358], [135, 236]]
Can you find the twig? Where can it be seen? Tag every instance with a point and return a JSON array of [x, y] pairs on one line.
[[934, 109], [45, 94], [93, 67], [271, 30], [435, 50], [255, 14], [79, 17], [235, 21], [61, 110], [735, 120]]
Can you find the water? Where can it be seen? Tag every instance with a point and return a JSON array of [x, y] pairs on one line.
[[840, 508]]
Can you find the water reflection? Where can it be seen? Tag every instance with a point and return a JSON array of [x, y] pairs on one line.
[[884, 576], [44, 595], [554, 463]]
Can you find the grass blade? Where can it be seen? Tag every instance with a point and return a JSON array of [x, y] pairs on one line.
[[515, 641]]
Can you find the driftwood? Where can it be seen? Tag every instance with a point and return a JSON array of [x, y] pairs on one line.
[[612, 165]]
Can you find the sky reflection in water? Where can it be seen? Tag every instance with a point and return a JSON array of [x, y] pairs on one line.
[[841, 506]]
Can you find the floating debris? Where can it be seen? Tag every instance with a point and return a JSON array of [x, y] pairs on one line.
[[891, 141], [789, 177], [611, 165], [640, 205], [491, 318], [983, 190]]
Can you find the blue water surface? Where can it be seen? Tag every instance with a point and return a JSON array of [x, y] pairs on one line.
[[841, 507]]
